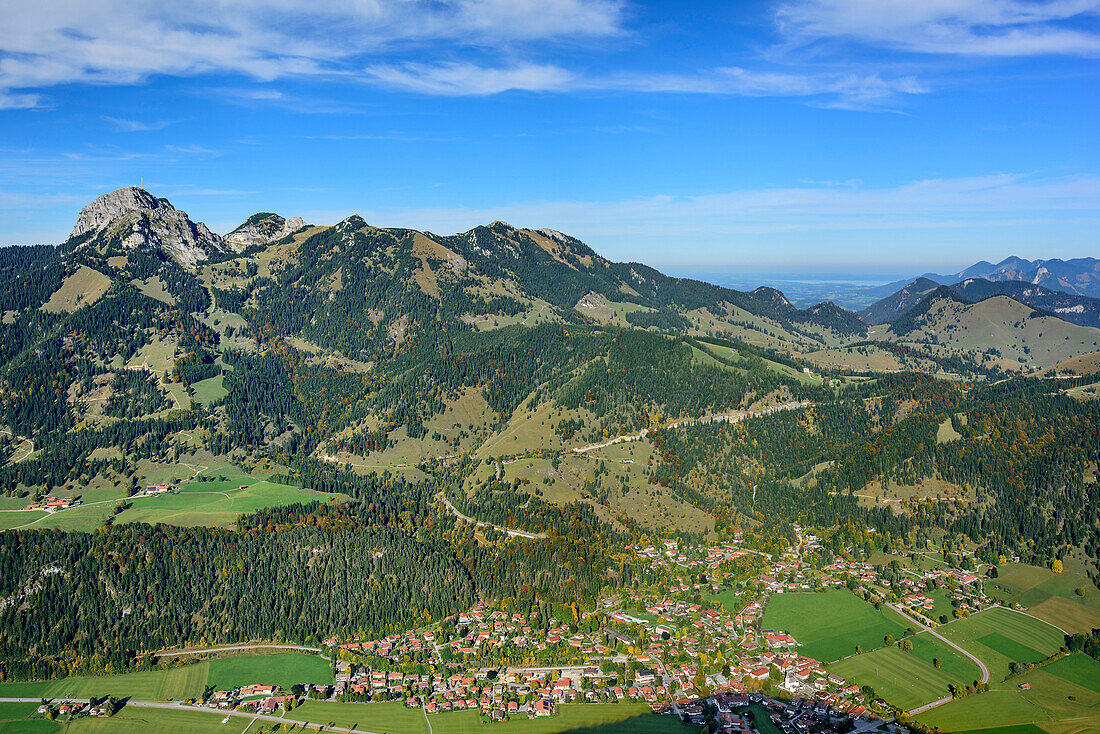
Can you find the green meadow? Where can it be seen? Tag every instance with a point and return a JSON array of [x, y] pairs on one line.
[[830, 625], [909, 679], [185, 681], [215, 503], [1001, 636], [1062, 698]]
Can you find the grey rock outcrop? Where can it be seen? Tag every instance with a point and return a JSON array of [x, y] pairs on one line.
[[262, 229], [140, 220]]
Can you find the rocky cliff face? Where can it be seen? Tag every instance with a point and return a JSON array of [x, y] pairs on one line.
[[140, 220], [262, 229]]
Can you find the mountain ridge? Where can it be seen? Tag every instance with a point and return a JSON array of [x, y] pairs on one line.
[[1078, 276], [1080, 310], [132, 218]]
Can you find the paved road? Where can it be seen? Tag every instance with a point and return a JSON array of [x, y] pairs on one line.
[[177, 706], [949, 643], [509, 531]]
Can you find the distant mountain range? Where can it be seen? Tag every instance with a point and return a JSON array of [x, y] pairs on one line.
[[1080, 310], [1079, 276]]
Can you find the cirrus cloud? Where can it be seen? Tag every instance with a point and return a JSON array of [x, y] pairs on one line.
[[126, 41], [963, 27]]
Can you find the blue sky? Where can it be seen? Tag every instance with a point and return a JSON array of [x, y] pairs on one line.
[[862, 136]]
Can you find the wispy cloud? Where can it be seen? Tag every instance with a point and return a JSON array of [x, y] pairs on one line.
[[924, 204], [104, 156], [191, 150], [125, 41], [471, 80], [133, 126], [488, 47], [18, 101], [965, 27]]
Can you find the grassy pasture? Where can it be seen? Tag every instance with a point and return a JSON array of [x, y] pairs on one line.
[[1070, 615], [82, 288], [1063, 697], [282, 669], [734, 356], [216, 503], [23, 718], [150, 685], [1050, 596], [610, 312], [903, 679], [154, 288], [727, 599], [12, 519], [599, 718], [140, 720], [946, 432], [1080, 670], [209, 390], [1000, 636], [830, 625], [380, 717], [926, 647], [986, 711], [185, 681]]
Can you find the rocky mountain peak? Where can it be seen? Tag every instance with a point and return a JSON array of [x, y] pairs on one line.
[[262, 229], [96, 216], [138, 220]]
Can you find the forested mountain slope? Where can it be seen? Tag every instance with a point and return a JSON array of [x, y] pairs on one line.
[[374, 387]]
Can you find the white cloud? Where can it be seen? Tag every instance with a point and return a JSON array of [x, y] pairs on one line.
[[124, 41], [133, 126], [933, 203], [965, 27], [846, 90], [57, 42], [15, 101], [470, 79], [191, 149]]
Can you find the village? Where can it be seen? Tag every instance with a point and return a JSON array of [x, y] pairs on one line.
[[676, 646], [672, 650]]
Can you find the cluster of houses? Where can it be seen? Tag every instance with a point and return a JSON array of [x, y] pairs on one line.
[[736, 713], [692, 558], [74, 709], [52, 504], [258, 698], [961, 589], [154, 489], [477, 631]]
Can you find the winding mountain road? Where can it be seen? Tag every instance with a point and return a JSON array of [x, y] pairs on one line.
[[732, 417], [508, 531]]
